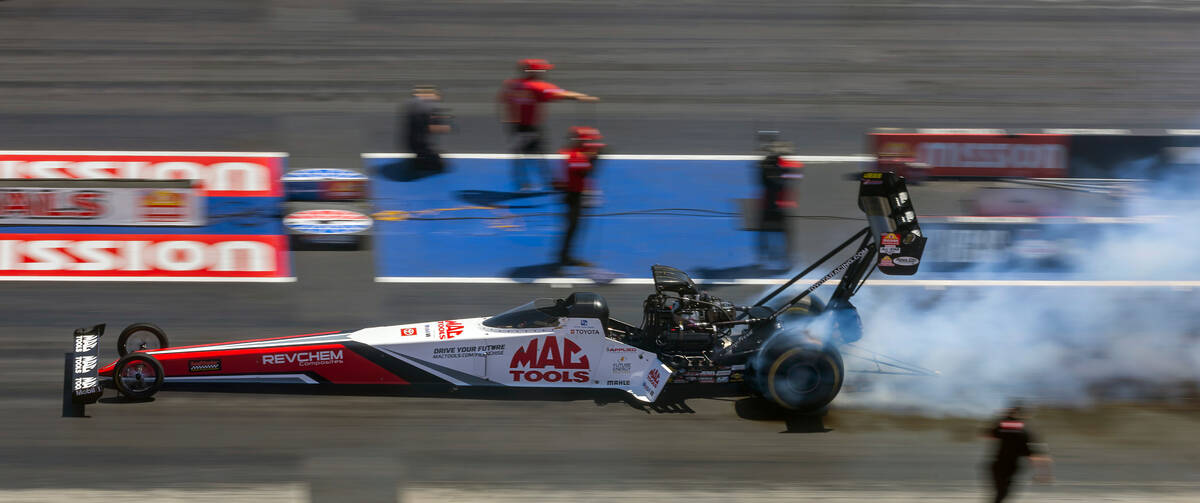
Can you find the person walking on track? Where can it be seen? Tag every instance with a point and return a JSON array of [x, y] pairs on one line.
[[522, 99], [580, 155]]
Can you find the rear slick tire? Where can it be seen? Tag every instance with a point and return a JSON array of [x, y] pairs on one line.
[[138, 376], [804, 378]]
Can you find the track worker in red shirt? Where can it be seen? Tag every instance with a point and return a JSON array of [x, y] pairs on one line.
[[579, 165], [522, 99]]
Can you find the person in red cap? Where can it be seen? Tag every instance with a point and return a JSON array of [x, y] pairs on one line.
[[581, 154], [522, 100]]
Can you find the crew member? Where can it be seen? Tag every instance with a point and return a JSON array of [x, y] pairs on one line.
[[773, 241], [1014, 442], [580, 155], [423, 119], [522, 100]]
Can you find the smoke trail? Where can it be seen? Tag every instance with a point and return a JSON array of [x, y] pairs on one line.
[[1058, 345]]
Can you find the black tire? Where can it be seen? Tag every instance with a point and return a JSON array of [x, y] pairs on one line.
[[804, 377], [139, 336], [138, 376]]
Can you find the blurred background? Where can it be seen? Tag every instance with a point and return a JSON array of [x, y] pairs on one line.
[[1104, 348]]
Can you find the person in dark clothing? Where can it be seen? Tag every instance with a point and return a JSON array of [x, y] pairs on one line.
[[773, 242], [522, 99], [1014, 442], [580, 162], [423, 119]]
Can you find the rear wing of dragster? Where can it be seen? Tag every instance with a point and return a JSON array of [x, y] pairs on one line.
[[81, 375], [893, 234]]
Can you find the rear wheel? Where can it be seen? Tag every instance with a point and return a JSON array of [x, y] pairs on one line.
[[138, 376], [804, 377], [141, 336]]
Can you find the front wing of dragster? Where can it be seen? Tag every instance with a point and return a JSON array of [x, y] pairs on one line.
[[574, 354]]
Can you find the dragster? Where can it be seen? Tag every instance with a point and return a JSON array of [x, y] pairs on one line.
[[785, 348]]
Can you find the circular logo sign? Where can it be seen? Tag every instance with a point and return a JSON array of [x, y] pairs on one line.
[[317, 174], [327, 222]]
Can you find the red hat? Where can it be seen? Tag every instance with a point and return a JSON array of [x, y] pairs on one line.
[[535, 65]]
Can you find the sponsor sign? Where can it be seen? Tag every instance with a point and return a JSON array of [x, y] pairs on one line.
[[906, 261], [143, 256], [229, 174], [404, 332], [129, 206], [327, 222], [325, 185], [550, 360], [974, 155]]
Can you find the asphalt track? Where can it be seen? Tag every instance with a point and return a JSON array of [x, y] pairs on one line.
[[321, 80]]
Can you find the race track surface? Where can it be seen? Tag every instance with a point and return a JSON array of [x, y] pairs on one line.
[[321, 79]]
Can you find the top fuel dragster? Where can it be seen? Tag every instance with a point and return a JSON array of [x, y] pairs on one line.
[[787, 351]]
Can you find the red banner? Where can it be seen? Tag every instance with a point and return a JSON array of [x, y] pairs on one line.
[[218, 174], [972, 155], [167, 257]]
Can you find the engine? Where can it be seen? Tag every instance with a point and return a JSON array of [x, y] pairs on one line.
[[680, 321]]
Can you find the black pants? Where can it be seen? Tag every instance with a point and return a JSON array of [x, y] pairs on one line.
[[1002, 477], [427, 159], [574, 202]]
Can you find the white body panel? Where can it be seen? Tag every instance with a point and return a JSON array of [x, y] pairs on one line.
[[574, 354]]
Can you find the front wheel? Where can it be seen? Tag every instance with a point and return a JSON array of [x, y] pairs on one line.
[[141, 336], [803, 377], [138, 376]]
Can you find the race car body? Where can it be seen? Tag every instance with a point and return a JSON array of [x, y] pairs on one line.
[[788, 351], [523, 347]]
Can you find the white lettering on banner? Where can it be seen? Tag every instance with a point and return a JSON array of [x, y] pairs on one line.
[[106, 255], [220, 176], [993, 155]]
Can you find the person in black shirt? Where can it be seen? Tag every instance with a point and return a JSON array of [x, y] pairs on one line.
[[422, 119], [1014, 442]]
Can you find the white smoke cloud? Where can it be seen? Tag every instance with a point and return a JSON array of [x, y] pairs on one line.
[[1066, 346]]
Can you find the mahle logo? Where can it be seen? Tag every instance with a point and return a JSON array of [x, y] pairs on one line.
[[557, 362]]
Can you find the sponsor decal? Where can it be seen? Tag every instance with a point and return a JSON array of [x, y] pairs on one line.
[[143, 255], [405, 332], [616, 383], [327, 222], [209, 365], [653, 377], [585, 331], [449, 329], [85, 343], [85, 364], [220, 176], [37, 203], [906, 261], [557, 362], [620, 349], [622, 367], [723, 379], [889, 239], [1012, 425], [707, 380], [872, 175], [468, 351], [583, 323], [165, 205], [736, 377], [889, 250], [885, 261], [738, 367], [428, 331], [305, 358], [724, 372]]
